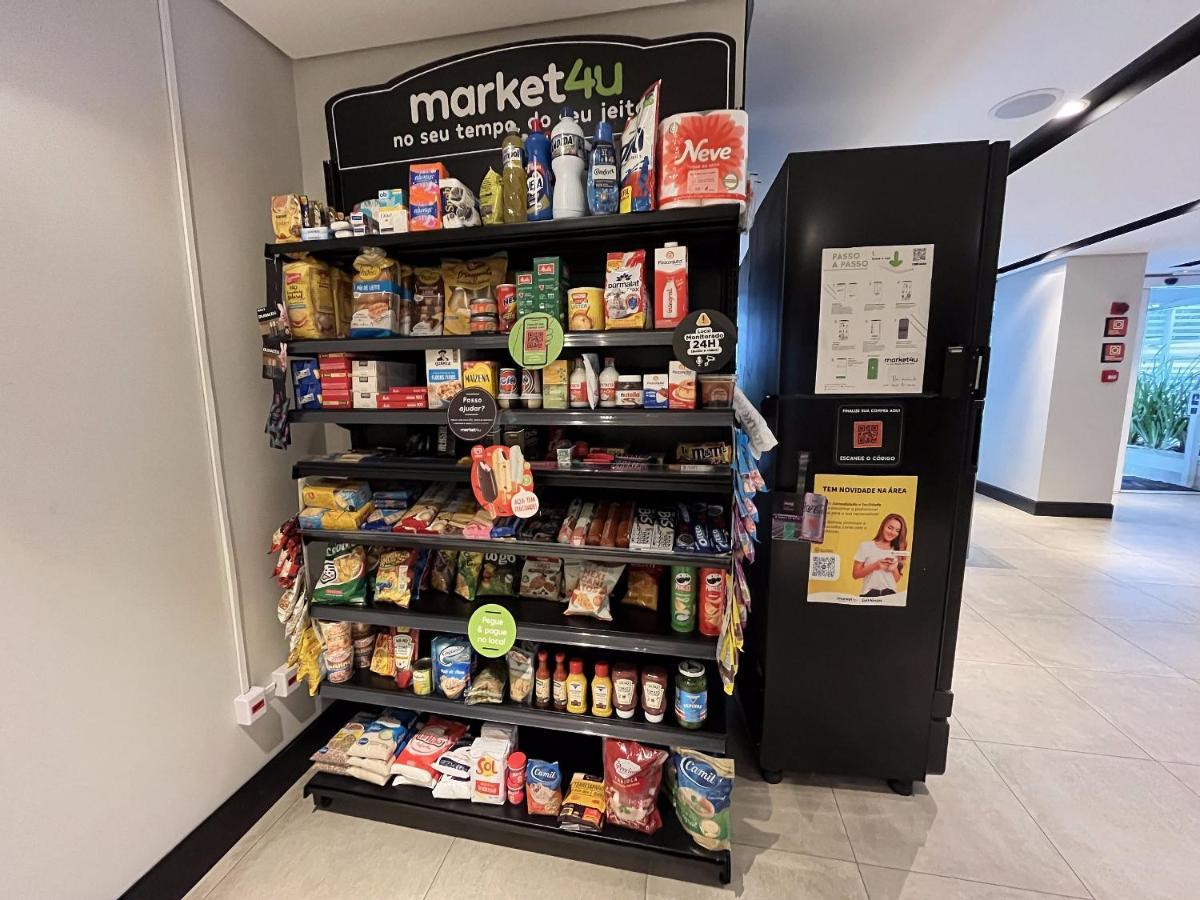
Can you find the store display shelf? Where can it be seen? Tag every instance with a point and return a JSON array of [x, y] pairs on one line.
[[519, 548], [367, 687], [633, 629], [668, 853], [571, 340], [670, 224], [653, 477], [668, 418]]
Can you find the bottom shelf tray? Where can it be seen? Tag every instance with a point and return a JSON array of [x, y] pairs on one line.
[[669, 852]]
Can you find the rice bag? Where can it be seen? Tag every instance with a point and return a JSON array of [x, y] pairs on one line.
[[428, 301], [445, 567], [641, 587], [487, 685], [498, 577], [543, 788], [590, 585], [701, 790], [466, 580], [541, 578], [383, 736], [583, 808], [451, 665], [520, 672], [404, 648], [343, 577], [632, 775], [333, 756], [415, 762], [638, 188]]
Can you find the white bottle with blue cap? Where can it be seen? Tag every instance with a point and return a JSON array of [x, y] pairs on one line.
[[568, 160]]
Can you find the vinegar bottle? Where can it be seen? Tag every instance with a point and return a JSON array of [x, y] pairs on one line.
[[512, 178]]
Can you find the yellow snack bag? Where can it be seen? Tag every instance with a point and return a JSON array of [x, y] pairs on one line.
[[308, 296], [491, 207], [467, 280]]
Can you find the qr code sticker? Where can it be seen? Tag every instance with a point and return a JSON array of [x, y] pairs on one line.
[[919, 254], [868, 434], [824, 567]]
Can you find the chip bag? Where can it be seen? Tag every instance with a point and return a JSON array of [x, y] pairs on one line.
[[343, 577], [589, 587], [466, 581], [445, 567], [498, 577], [641, 587]]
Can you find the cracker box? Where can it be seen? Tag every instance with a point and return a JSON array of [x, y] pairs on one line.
[[443, 376]]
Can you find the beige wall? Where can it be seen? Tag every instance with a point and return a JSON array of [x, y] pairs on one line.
[[319, 78], [119, 658]]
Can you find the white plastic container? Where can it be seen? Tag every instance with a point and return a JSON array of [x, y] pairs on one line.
[[569, 163]]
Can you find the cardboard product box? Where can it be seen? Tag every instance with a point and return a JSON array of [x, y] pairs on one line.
[[550, 272], [365, 400], [655, 391], [395, 372], [555, 385], [681, 382], [384, 401], [482, 373], [336, 401], [393, 211], [407, 391], [334, 362], [670, 286], [443, 376]]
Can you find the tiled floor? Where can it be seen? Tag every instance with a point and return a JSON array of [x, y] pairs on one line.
[[1074, 763]]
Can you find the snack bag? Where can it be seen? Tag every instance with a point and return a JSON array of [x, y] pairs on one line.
[[632, 774], [308, 296], [543, 788], [451, 665], [498, 578], [491, 207], [589, 586], [701, 790], [343, 577], [429, 300], [466, 581], [641, 587], [541, 578], [583, 809], [445, 567], [638, 189], [487, 685], [375, 295], [383, 659], [467, 281]]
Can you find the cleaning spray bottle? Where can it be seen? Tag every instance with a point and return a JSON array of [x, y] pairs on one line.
[[539, 191]]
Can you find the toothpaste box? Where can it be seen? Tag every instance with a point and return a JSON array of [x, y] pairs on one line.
[[443, 376]]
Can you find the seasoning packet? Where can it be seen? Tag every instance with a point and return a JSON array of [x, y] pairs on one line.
[[583, 809]]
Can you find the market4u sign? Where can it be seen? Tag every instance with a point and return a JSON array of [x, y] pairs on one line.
[[458, 109]]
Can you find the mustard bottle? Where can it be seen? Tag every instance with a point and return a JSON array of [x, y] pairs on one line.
[[577, 689], [602, 691]]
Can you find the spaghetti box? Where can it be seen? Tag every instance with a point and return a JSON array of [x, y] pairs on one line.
[[386, 401], [335, 381], [334, 362]]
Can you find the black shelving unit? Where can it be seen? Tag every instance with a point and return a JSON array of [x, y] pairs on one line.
[[572, 340], [519, 548], [616, 418], [668, 853], [633, 629]]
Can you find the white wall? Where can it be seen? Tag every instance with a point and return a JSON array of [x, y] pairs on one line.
[[120, 667], [1052, 431], [319, 78]]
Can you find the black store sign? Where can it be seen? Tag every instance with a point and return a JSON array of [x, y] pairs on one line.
[[472, 414], [457, 109], [869, 435]]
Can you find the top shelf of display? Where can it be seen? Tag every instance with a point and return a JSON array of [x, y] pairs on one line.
[[665, 224]]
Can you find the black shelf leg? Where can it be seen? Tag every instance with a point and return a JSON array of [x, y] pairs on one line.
[[901, 786], [772, 776]]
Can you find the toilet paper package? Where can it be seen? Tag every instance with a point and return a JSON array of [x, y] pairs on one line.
[[703, 158]]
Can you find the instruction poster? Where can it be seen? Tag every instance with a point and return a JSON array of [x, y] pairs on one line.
[[865, 558], [874, 319]]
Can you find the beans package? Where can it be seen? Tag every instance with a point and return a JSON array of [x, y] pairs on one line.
[[589, 586], [445, 567], [543, 788], [701, 789], [520, 672], [498, 577], [466, 281], [333, 756], [451, 665], [466, 581], [487, 685], [343, 578], [541, 578], [376, 295], [632, 775], [583, 809], [428, 301], [641, 587]]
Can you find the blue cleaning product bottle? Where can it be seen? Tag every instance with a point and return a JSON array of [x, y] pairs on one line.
[[540, 190], [603, 187]]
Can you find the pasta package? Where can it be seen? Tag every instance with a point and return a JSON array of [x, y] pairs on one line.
[[451, 665], [589, 587], [467, 281], [308, 297], [583, 808], [329, 493], [343, 577]]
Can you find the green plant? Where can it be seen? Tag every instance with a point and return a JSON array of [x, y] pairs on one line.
[[1160, 403]]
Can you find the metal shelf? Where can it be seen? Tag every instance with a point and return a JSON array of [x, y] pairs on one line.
[[367, 687], [519, 548], [675, 224], [670, 418], [633, 629], [658, 478], [575, 339], [668, 853]]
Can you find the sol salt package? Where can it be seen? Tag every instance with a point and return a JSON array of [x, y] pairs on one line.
[[638, 189], [703, 159]]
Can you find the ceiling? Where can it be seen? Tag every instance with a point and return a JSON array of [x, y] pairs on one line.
[[304, 28], [827, 74]]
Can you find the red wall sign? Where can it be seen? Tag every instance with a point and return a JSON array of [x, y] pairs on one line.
[[1112, 353], [1108, 376], [1116, 326]]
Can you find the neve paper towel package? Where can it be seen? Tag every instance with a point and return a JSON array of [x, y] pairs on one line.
[[703, 158]]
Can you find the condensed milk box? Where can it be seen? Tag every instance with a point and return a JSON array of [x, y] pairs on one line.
[[670, 285]]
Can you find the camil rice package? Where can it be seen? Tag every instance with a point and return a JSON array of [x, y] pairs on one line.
[[701, 790]]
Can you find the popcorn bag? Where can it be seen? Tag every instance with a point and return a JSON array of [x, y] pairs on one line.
[[703, 159]]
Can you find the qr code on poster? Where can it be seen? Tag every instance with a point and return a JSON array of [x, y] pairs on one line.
[[919, 254], [868, 434], [824, 567]]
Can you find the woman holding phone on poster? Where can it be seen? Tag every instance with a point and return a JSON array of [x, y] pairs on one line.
[[879, 562]]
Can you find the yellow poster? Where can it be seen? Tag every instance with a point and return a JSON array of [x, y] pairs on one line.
[[865, 558]]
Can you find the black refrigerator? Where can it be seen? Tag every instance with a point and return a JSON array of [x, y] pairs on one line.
[[866, 690]]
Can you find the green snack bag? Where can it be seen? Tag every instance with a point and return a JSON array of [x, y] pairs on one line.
[[466, 582], [343, 580], [445, 566], [499, 575]]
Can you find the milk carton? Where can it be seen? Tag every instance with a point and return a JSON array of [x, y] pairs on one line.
[[670, 285]]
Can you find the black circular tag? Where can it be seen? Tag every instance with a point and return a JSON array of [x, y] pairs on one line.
[[471, 414], [705, 340]]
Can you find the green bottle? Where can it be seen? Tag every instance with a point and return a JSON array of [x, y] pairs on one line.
[[513, 178]]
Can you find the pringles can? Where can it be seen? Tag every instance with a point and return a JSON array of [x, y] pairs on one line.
[[683, 599], [712, 600]]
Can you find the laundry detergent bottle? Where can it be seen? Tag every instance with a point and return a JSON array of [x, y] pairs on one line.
[[603, 189], [569, 164], [539, 191]]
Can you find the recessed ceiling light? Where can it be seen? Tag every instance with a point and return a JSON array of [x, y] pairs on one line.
[[1027, 103], [1072, 108]]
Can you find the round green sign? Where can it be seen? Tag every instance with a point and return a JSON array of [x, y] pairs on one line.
[[492, 630], [536, 340]]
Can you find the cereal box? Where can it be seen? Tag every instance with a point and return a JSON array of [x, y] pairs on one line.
[[443, 376]]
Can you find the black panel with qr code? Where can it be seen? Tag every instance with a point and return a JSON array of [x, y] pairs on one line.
[[869, 435]]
